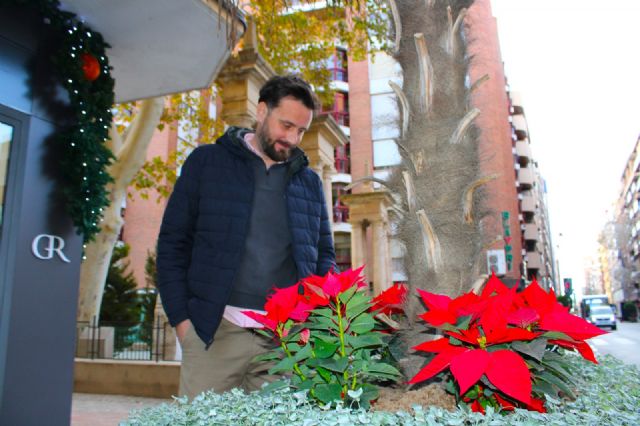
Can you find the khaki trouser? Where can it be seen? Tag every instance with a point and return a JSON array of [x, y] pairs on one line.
[[227, 364]]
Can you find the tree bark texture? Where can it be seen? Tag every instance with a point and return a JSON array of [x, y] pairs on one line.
[[130, 150]]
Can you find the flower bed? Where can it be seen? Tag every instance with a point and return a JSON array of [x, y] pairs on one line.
[[608, 394]]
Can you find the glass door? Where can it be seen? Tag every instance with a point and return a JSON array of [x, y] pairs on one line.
[[6, 136]]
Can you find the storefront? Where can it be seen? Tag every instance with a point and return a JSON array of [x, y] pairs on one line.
[[40, 250]]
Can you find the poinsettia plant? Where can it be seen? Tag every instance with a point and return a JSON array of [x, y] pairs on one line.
[[502, 348], [331, 336]]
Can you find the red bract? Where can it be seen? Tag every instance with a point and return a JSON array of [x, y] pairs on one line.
[[390, 301], [536, 405], [438, 309], [283, 303], [582, 347], [496, 336], [552, 316], [262, 319], [505, 369], [493, 286], [575, 327], [319, 290], [509, 373], [523, 317]]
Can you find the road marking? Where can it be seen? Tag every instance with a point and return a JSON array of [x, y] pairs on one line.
[[598, 342], [623, 340]]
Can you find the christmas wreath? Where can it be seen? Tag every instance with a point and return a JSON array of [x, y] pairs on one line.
[[82, 67]]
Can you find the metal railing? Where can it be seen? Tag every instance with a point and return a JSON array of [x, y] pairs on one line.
[[143, 341]]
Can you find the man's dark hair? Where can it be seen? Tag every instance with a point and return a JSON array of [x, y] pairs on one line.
[[279, 87]]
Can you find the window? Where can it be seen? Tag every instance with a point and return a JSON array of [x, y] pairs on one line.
[[338, 66], [340, 108], [342, 158], [343, 251], [6, 136], [340, 211]]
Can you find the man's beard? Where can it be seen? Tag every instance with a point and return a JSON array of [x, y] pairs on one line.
[[268, 145]]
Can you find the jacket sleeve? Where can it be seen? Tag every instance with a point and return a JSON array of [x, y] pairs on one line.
[[175, 241], [326, 252]]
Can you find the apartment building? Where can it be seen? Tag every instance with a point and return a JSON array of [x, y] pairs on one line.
[[532, 201], [620, 238]]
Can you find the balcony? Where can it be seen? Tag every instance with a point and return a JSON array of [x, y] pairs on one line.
[[531, 232], [516, 99], [519, 125], [534, 260], [340, 214], [523, 151], [342, 165], [525, 178], [528, 204], [341, 117], [192, 44]]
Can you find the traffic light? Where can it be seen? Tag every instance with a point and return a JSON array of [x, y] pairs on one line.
[[568, 287]]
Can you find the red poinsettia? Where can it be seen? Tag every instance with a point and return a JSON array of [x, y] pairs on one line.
[[327, 328], [499, 338]]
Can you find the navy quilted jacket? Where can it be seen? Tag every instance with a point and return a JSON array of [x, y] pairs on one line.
[[205, 225]]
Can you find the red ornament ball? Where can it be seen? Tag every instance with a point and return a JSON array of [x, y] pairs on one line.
[[90, 66]]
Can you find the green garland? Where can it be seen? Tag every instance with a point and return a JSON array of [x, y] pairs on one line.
[[84, 156]]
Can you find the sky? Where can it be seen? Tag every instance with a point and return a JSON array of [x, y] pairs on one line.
[[576, 65]]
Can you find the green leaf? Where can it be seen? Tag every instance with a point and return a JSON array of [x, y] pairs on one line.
[[384, 369], [328, 393], [307, 384], [463, 322], [347, 294], [559, 368], [324, 349], [261, 332], [358, 304], [284, 365], [369, 393], [362, 341], [324, 373], [534, 365], [304, 353], [454, 341], [323, 312], [268, 356], [556, 335], [338, 365], [320, 323], [535, 349], [362, 324], [555, 381], [541, 388]]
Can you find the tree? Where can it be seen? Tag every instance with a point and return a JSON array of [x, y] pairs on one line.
[[438, 183], [120, 301], [440, 174], [129, 147]]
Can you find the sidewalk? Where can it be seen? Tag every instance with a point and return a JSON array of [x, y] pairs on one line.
[[106, 410]]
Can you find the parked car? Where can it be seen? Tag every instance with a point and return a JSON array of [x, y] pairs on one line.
[[602, 316]]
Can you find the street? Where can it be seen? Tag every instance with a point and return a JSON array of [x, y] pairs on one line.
[[623, 343]]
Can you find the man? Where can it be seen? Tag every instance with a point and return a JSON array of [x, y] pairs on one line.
[[246, 214]]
